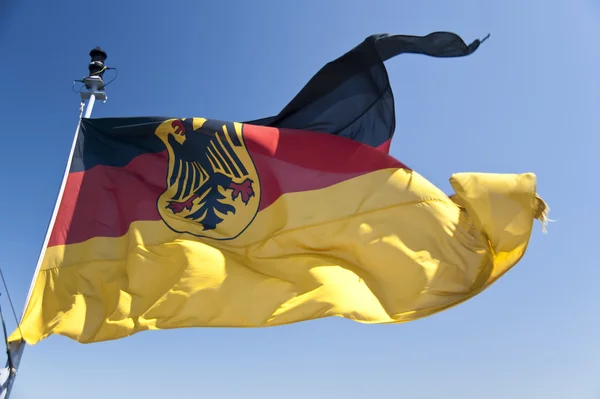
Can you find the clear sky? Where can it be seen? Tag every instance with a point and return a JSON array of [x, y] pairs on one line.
[[526, 101]]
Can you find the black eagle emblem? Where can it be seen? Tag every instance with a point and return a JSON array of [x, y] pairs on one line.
[[205, 169]]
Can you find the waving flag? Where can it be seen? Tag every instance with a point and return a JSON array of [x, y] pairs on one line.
[[191, 222]]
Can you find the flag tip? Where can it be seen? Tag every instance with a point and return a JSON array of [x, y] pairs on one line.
[[540, 212]]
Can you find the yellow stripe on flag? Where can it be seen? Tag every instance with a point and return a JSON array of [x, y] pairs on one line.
[[380, 248]]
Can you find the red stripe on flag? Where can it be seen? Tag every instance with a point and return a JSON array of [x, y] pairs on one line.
[[105, 200], [385, 146], [290, 161]]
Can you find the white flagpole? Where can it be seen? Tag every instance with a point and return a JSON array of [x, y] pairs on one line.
[[94, 91]]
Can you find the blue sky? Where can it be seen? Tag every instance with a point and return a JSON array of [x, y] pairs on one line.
[[526, 101]]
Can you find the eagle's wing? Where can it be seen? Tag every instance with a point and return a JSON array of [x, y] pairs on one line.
[[187, 173], [222, 156]]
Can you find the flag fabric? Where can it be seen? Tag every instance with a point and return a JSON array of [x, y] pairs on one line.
[[351, 96], [191, 222]]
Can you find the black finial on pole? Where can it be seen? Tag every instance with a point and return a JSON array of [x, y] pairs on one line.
[[97, 68], [96, 65]]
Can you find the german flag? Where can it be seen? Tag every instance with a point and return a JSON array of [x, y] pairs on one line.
[[192, 222]]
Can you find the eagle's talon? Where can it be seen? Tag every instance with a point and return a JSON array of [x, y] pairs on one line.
[[244, 189], [179, 206]]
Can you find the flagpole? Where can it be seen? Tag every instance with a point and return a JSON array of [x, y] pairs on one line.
[[95, 87]]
